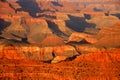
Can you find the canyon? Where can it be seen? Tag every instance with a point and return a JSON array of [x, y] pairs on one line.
[[59, 39]]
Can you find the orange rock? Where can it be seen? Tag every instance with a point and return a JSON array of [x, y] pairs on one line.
[[11, 52], [52, 40], [109, 37], [37, 27], [93, 14], [5, 8], [30, 49], [62, 16], [1, 51], [109, 41], [46, 54], [30, 52], [91, 40], [87, 48], [59, 59], [103, 56], [77, 37], [111, 30], [66, 50], [61, 25], [102, 22]]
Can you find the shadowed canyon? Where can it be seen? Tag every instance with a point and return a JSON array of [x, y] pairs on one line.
[[59, 40]]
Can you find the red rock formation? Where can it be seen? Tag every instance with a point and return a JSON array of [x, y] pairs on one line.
[[37, 53], [46, 54], [77, 37], [58, 59], [110, 37], [52, 40], [62, 16], [93, 14], [5, 8], [61, 24], [12, 53], [83, 49], [37, 27], [91, 39], [98, 65], [103, 21], [67, 51]]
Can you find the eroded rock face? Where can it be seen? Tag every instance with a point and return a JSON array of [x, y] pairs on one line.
[[30, 52], [15, 30], [92, 14], [94, 65], [45, 54], [47, 31], [3, 25], [104, 56], [67, 51], [58, 59], [37, 27], [109, 37], [77, 37], [6, 9], [91, 40], [1, 52], [104, 21], [65, 30], [62, 16], [83, 49], [11, 52], [52, 40]]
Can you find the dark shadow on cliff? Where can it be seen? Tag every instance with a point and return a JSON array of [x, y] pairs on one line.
[[97, 9], [29, 6], [78, 23], [54, 28], [3, 0], [57, 4], [87, 16], [78, 43], [23, 39], [3, 25], [117, 15]]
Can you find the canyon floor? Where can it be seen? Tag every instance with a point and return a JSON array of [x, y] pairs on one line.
[[59, 40]]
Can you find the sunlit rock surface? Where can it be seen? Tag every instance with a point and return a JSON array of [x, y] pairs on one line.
[[59, 40]]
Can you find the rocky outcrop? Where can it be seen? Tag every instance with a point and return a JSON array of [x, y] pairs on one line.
[[104, 21], [111, 30], [6, 9], [12, 53], [45, 54], [78, 37], [85, 49], [61, 24], [37, 27], [93, 14], [101, 64], [109, 37], [67, 51], [15, 30], [52, 40], [58, 59], [61, 16]]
